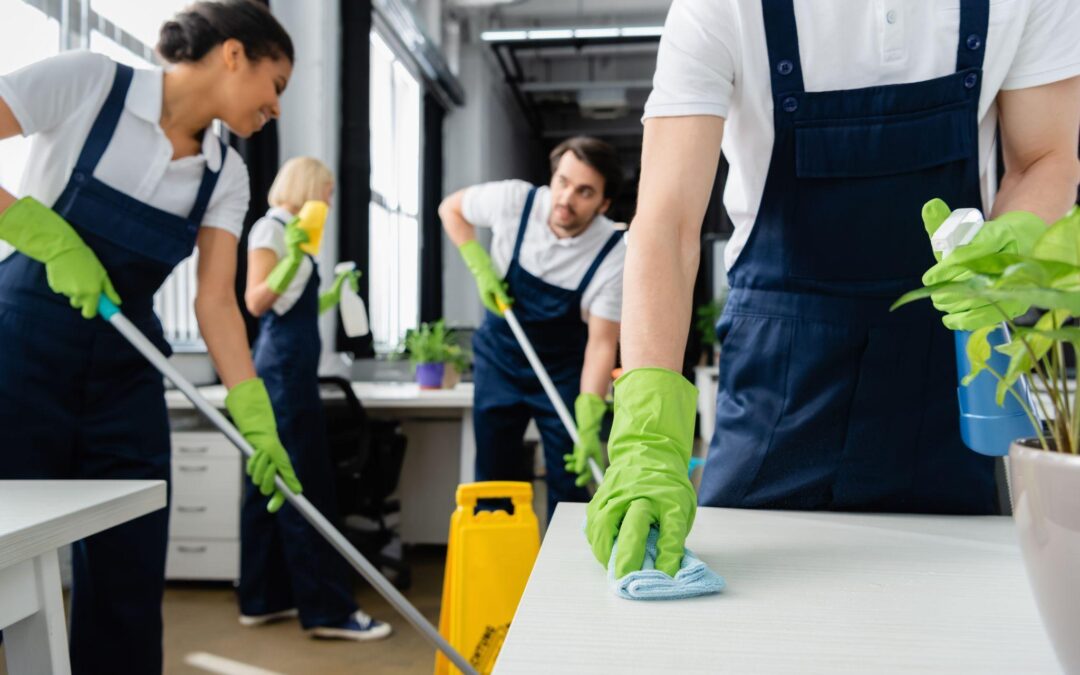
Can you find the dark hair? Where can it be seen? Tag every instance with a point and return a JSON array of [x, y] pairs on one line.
[[597, 154], [204, 25]]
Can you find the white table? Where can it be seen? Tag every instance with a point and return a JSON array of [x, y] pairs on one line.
[[807, 592], [37, 518]]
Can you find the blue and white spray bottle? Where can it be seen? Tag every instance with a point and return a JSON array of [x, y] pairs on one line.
[[985, 426]]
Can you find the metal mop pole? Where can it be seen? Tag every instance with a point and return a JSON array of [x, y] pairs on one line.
[[549, 386], [111, 313]]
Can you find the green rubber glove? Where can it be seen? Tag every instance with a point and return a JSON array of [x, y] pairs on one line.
[[284, 272], [71, 268], [249, 405], [589, 412], [1013, 232], [333, 296], [491, 286], [647, 482]]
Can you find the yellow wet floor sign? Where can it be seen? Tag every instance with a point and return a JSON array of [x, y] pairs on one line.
[[488, 561]]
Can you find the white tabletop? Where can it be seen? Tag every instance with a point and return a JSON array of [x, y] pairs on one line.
[[373, 395], [39, 515], [807, 592]]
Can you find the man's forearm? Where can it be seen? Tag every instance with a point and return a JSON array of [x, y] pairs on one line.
[[596, 371], [457, 228], [1046, 188]]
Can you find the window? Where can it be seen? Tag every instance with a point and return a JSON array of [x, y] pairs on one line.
[[394, 224], [123, 30]]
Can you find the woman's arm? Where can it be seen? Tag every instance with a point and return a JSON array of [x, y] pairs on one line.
[[257, 297], [9, 126], [216, 308]]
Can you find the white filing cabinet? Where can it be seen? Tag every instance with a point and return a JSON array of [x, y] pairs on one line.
[[204, 511]]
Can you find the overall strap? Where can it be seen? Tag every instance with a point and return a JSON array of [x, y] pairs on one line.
[[206, 187], [971, 45], [524, 223], [105, 124], [782, 39], [612, 241]]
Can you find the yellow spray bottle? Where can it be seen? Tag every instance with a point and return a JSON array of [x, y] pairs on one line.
[[312, 221]]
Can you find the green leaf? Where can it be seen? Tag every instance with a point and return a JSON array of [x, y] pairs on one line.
[[1024, 343], [993, 264], [978, 352], [1061, 241]]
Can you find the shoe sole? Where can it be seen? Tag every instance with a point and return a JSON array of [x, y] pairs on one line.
[[325, 633], [249, 621]]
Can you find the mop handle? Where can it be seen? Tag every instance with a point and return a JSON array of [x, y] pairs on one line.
[[111, 313], [549, 386]]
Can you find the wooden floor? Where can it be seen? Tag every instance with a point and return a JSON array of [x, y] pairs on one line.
[[203, 619]]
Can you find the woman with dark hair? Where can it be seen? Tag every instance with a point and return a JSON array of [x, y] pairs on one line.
[[125, 178]]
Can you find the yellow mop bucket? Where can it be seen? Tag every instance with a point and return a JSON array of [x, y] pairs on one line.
[[488, 560]]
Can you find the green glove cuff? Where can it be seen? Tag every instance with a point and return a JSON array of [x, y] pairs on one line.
[[476, 258], [249, 405], [37, 231], [284, 272], [652, 402], [589, 412]]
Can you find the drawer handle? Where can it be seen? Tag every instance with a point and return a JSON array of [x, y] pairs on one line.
[[191, 509], [194, 449], [191, 549], [202, 468]]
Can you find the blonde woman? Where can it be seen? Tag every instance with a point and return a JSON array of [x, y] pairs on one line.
[[286, 568]]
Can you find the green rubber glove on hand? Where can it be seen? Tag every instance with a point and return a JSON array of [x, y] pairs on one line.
[[1013, 232], [249, 405], [333, 296], [283, 273], [589, 412], [647, 483], [491, 286], [71, 268]]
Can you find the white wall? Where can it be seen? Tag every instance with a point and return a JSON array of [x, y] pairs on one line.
[[487, 139]]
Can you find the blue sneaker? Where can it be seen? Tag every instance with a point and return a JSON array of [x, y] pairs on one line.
[[262, 619], [359, 627]]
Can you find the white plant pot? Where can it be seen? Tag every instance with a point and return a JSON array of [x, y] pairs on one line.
[[1045, 491]]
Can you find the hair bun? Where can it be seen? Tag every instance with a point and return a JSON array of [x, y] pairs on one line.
[[173, 43]]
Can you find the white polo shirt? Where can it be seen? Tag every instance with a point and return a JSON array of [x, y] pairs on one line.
[[56, 102], [713, 61], [268, 232], [559, 262]]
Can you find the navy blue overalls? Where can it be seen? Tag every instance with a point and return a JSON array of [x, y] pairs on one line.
[[508, 393], [78, 402], [284, 563], [827, 400]]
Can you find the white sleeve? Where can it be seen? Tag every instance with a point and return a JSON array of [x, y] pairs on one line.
[[696, 62], [495, 204], [229, 203], [1049, 50], [267, 233], [608, 301], [45, 94]]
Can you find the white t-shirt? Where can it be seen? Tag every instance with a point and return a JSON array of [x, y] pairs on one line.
[[559, 262], [56, 102], [713, 61], [269, 232]]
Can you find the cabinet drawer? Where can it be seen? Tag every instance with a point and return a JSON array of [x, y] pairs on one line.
[[202, 444], [203, 559], [205, 499]]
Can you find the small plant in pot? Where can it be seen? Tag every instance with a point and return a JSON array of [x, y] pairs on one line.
[[430, 348], [1043, 471]]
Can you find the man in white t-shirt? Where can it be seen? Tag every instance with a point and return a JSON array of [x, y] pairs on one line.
[[840, 120], [558, 260]]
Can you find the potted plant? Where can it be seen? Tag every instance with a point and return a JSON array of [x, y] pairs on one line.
[[1043, 472], [708, 315], [430, 348]]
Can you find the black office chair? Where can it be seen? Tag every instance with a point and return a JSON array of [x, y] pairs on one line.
[[367, 455]]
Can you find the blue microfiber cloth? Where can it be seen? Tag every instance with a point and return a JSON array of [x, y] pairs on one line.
[[694, 577]]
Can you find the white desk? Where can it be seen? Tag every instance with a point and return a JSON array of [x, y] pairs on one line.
[[36, 519], [442, 446], [807, 592]]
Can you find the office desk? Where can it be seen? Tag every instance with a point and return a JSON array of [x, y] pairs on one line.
[[807, 593], [37, 517], [442, 446]]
